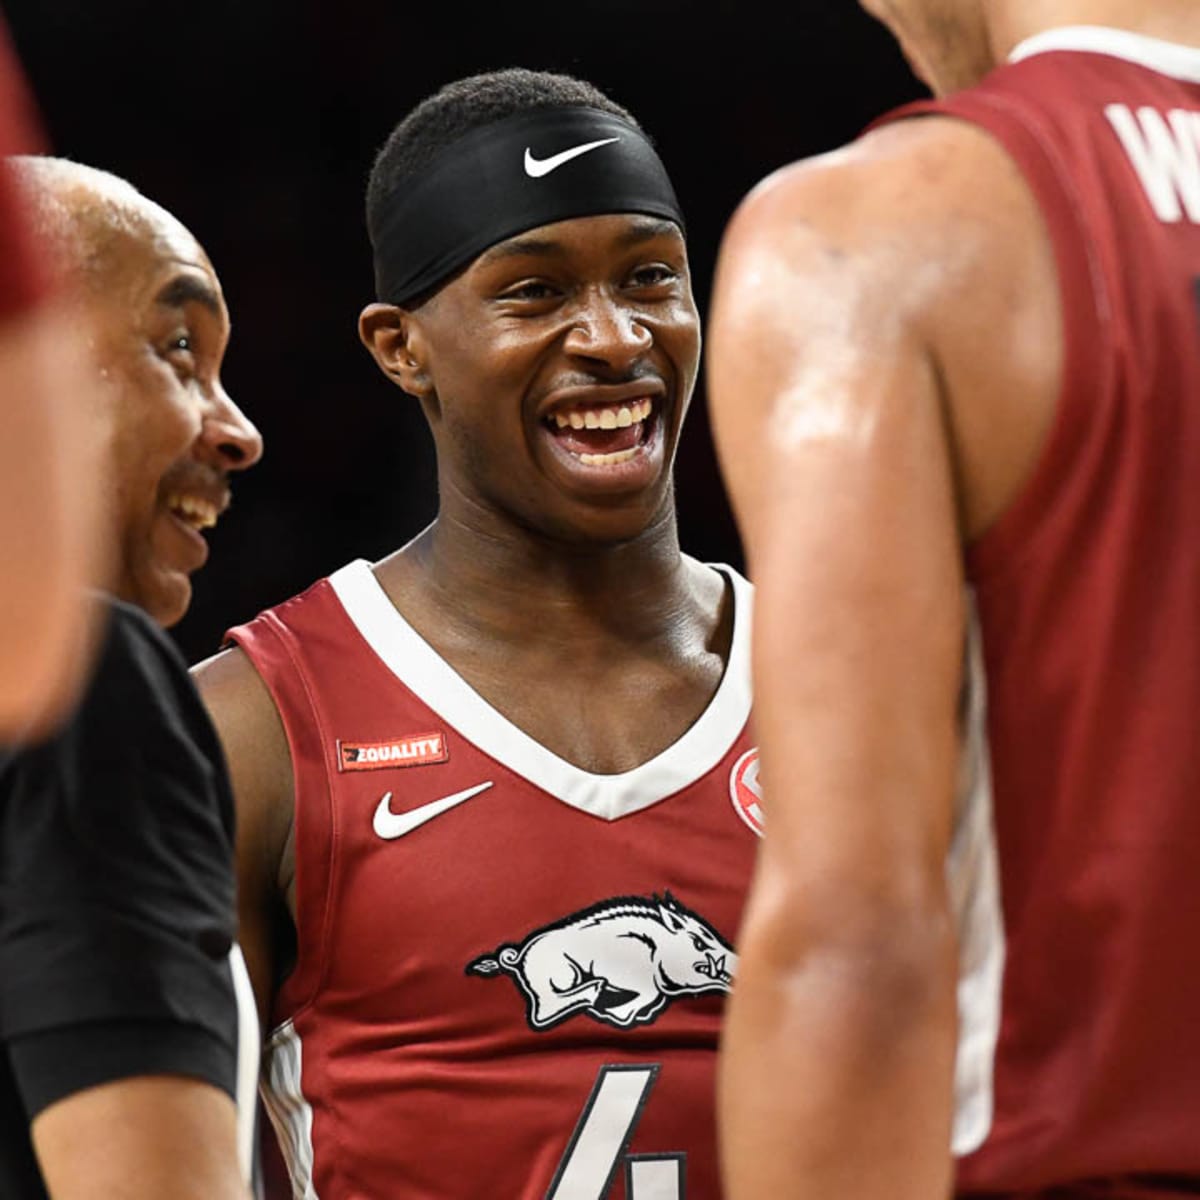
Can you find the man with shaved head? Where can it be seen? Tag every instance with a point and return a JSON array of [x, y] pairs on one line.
[[120, 1027]]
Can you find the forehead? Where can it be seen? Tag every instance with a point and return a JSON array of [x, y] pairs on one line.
[[610, 234], [155, 262]]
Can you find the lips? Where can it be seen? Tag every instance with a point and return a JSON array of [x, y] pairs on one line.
[[602, 435], [192, 496]]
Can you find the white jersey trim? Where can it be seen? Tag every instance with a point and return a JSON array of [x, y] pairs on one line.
[[421, 669], [973, 884], [249, 1049], [289, 1111], [1167, 58]]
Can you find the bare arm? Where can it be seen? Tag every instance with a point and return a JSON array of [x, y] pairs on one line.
[[847, 294], [256, 749], [48, 501], [141, 1139]]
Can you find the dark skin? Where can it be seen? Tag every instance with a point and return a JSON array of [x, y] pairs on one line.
[[555, 588]]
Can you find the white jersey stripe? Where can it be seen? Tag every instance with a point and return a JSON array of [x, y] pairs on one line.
[[290, 1112], [421, 669], [973, 879], [1167, 58], [249, 1044]]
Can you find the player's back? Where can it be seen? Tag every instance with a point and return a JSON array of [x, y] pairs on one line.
[[1088, 593]]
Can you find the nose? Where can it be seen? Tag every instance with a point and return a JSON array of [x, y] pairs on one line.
[[608, 331], [228, 437]]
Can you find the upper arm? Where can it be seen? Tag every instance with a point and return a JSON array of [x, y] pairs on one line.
[[833, 427], [256, 751], [141, 1139], [117, 837]]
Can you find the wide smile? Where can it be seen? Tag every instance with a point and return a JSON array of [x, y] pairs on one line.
[[603, 435], [191, 512], [601, 442], [197, 512]]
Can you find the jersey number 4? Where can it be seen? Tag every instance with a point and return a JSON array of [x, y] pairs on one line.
[[597, 1148]]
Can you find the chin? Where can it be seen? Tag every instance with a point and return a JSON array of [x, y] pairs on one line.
[[622, 524], [165, 599]]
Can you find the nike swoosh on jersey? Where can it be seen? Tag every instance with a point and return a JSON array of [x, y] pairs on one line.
[[535, 168], [391, 825]]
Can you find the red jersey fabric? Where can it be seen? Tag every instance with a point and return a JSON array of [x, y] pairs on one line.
[[511, 972], [1088, 594], [23, 277]]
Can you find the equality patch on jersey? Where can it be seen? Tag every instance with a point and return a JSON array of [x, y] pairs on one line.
[[416, 750], [621, 961], [745, 790]]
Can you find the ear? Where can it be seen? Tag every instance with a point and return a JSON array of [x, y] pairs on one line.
[[393, 339]]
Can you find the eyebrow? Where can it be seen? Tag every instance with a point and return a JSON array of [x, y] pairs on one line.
[[643, 230], [186, 288]]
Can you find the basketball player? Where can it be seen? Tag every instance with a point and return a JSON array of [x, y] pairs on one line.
[[45, 475], [496, 793], [965, 350], [119, 1027]]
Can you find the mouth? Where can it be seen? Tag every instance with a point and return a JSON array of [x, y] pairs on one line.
[[714, 967], [604, 435], [195, 511], [192, 502]]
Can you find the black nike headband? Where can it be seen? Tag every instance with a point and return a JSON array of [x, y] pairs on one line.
[[502, 179]]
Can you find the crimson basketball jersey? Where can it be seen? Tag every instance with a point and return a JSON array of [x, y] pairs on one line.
[[1088, 596], [511, 972]]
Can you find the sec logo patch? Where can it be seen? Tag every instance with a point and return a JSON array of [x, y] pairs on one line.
[[746, 792]]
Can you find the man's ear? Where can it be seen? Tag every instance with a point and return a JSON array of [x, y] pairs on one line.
[[394, 341]]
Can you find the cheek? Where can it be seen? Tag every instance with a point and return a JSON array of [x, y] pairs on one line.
[[157, 422], [681, 338]]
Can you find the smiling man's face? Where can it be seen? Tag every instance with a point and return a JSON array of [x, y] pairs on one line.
[[173, 435], [556, 371]]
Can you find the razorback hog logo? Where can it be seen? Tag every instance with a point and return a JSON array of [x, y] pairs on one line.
[[620, 961]]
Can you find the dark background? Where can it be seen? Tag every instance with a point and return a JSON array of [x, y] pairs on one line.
[[256, 121]]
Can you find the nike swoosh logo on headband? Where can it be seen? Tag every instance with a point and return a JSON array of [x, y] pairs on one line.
[[535, 168]]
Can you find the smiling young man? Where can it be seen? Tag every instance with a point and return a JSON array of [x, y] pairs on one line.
[[955, 373], [122, 1041], [496, 793]]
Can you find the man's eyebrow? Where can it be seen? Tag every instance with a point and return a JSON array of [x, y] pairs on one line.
[[185, 288]]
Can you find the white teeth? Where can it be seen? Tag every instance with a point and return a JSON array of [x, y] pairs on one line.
[[618, 417], [607, 460], [196, 512]]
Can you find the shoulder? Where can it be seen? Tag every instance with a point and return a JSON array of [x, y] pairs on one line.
[[254, 742], [236, 696], [926, 203]]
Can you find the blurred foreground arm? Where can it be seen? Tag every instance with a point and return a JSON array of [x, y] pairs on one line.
[[837, 1066], [119, 1013], [145, 1138], [47, 509]]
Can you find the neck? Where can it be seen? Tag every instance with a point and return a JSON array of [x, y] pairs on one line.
[[1014, 21], [514, 583]]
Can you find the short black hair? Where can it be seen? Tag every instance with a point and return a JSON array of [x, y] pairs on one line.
[[461, 106]]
